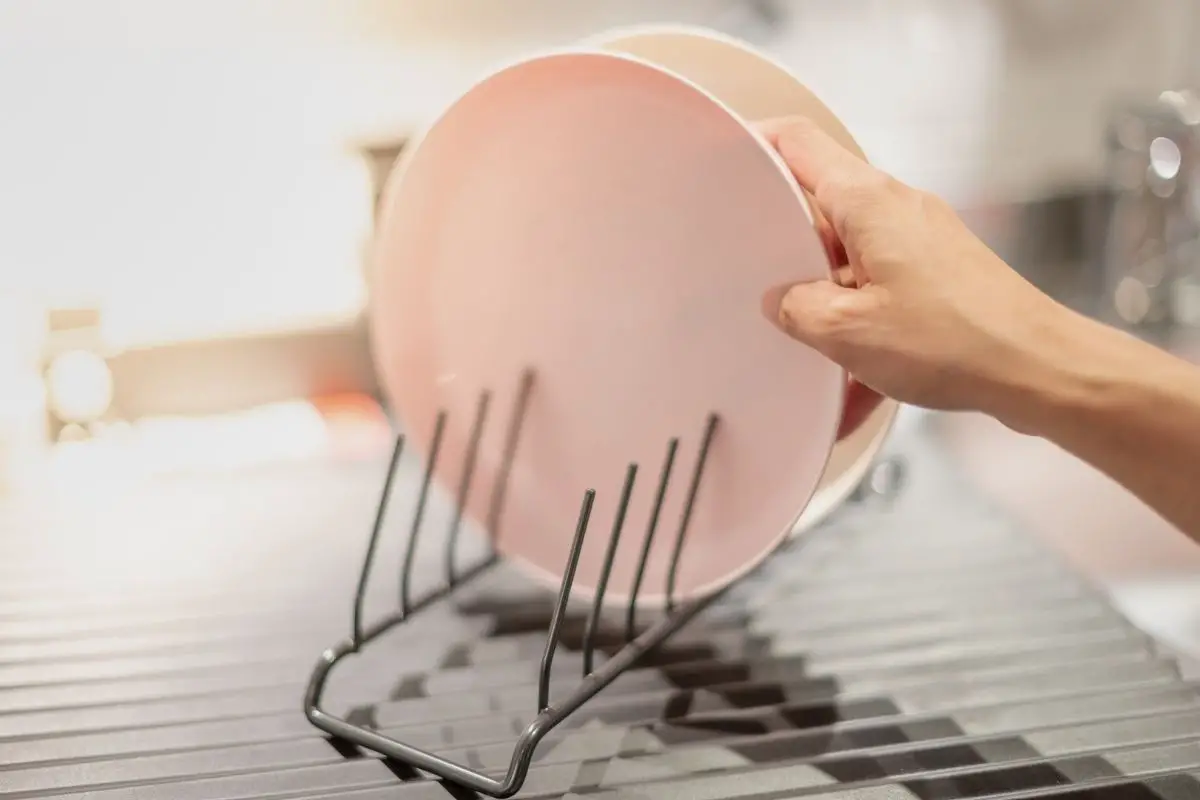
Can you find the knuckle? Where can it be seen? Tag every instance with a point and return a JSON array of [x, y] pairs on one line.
[[824, 323], [862, 196], [828, 192], [932, 204], [835, 319], [883, 183], [796, 129], [795, 135], [867, 190], [890, 190]]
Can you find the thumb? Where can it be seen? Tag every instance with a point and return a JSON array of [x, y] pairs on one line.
[[823, 314], [824, 168]]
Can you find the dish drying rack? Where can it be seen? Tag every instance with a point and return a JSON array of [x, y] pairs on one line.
[[883, 481]]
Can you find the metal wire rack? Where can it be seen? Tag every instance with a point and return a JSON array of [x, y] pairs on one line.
[[593, 678]]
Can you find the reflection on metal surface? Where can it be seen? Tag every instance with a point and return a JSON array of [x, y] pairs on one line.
[[1131, 300], [1184, 103], [1150, 268], [887, 479], [883, 482], [1186, 307], [1165, 158]]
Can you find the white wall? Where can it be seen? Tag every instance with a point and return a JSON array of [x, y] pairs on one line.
[[187, 162], [168, 155]]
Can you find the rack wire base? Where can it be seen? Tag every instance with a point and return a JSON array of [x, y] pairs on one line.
[[593, 680]]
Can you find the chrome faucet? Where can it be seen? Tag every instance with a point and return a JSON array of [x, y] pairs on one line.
[[1151, 279]]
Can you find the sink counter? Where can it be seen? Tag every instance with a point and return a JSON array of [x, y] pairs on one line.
[[1101, 528], [1150, 568]]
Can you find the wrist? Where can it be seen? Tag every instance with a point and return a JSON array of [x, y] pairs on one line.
[[1076, 376], [1053, 367]]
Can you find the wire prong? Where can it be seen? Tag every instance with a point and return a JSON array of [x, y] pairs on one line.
[[660, 495], [360, 595], [564, 595], [710, 429], [593, 622], [496, 502], [414, 530], [464, 483]]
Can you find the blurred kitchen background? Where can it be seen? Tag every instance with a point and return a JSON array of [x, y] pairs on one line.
[[187, 193]]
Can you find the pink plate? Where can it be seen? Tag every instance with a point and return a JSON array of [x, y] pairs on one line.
[[613, 228]]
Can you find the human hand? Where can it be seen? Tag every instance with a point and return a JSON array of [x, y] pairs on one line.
[[922, 311]]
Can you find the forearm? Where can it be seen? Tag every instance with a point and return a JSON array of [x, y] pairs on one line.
[[1127, 408]]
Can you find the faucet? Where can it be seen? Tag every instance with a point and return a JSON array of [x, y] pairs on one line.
[[1151, 282]]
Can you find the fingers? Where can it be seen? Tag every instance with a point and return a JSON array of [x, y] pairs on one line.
[[836, 178], [824, 315]]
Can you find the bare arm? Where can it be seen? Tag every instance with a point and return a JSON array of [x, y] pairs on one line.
[[1124, 406], [933, 318]]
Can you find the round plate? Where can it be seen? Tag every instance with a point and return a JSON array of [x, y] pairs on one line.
[[611, 227], [756, 88]]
